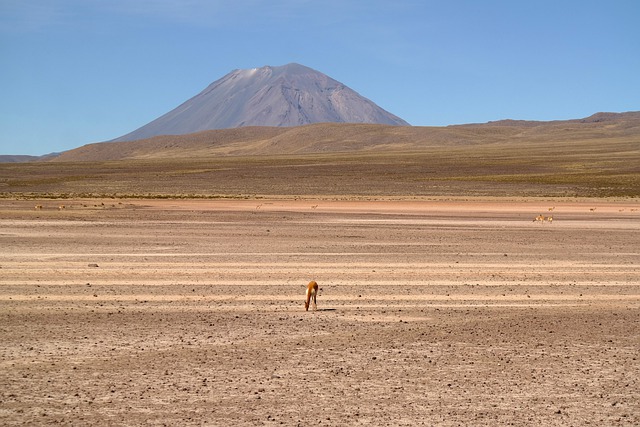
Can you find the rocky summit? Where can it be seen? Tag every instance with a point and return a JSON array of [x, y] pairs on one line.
[[284, 96]]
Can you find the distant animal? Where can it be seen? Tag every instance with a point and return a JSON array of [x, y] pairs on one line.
[[550, 209], [542, 219], [312, 293], [61, 207], [38, 207]]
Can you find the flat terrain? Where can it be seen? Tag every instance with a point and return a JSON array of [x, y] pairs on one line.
[[431, 312]]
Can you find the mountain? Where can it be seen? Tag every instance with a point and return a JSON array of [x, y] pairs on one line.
[[285, 96]]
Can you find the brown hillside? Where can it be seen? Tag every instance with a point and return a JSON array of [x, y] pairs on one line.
[[352, 138], [595, 157]]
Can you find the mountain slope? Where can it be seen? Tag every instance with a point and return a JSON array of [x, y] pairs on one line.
[[289, 95], [564, 137]]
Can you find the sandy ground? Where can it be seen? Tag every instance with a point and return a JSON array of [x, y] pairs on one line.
[[430, 313]]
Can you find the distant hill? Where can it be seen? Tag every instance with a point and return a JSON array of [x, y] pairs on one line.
[[289, 95], [17, 158], [358, 138], [8, 158]]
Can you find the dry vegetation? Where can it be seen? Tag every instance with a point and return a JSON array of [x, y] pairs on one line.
[[564, 159], [567, 137]]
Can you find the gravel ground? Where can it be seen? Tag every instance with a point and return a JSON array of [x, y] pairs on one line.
[[443, 312]]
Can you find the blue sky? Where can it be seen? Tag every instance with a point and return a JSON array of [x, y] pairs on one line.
[[80, 71]]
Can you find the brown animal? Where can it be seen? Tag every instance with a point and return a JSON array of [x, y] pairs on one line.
[[312, 292]]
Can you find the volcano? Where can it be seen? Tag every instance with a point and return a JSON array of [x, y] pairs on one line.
[[284, 96]]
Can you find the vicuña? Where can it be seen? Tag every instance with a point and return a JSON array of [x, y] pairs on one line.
[[312, 292]]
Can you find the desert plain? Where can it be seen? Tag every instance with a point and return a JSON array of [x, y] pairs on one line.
[[442, 311], [161, 282]]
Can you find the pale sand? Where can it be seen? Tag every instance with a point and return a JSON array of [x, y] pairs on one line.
[[431, 312]]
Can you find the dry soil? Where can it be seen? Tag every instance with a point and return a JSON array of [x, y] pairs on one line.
[[430, 312]]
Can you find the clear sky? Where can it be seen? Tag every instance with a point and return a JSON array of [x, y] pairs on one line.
[[74, 72]]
